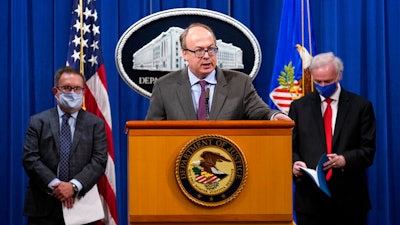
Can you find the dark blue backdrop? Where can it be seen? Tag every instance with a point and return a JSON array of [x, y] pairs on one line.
[[34, 41]]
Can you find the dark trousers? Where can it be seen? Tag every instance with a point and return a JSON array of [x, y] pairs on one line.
[[47, 221], [55, 217], [331, 219]]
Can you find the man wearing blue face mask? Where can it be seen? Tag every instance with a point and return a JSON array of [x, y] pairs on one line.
[[65, 152], [341, 124]]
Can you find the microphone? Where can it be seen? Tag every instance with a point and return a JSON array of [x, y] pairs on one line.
[[207, 99]]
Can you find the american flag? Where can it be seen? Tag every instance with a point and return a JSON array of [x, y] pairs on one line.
[[85, 55]]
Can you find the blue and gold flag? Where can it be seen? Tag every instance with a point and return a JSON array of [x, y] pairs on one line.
[[291, 78]]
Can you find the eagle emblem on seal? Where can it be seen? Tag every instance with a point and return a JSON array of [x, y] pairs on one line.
[[211, 170], [209, 174]]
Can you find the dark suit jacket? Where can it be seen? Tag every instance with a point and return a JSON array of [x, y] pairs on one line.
[[354, 138], [88, 157], [234, 98]]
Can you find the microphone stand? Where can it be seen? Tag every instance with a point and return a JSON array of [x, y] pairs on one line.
[[206, 102]]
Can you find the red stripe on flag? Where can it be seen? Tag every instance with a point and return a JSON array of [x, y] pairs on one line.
[[105, 189], [284, 105], [96, 91], [277, 97], [281, 90], [108, 196], [206, 180], [101, 72], [91, 106], [212, 179]]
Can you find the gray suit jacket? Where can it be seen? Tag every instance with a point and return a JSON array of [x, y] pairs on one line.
[[88, 157], [234, 98]]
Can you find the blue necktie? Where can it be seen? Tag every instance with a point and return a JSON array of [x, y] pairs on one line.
[[65, 148], [202, 110]]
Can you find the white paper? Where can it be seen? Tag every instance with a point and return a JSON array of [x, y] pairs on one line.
[[86, 209], [312, 173], [318, 175]]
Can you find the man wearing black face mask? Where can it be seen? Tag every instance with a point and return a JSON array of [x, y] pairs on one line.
[[65, 152], [340, 124]]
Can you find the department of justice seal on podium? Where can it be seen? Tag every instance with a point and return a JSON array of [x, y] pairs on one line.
[[211, 170]]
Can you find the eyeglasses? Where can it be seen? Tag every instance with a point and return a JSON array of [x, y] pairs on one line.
[[199, 53], [64, 89]]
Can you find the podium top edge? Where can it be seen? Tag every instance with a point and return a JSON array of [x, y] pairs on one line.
[[208, 124]]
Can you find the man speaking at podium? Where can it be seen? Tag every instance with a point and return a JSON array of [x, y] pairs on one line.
[[203, 91]]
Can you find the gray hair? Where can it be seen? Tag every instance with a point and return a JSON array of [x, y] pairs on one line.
[[324, 58]]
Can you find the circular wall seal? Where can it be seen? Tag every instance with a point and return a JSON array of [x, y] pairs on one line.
[[150, 48], [211, 170]]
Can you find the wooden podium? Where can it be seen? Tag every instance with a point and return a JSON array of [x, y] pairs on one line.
[[154, 196]]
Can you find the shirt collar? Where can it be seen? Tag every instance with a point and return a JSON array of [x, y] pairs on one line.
[[61, 113], [211, 78]]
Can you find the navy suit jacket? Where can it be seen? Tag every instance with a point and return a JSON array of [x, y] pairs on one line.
[[354, 138], [88, 157], [234, 98]]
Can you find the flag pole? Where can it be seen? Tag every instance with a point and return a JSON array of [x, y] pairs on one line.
[[302, 44], [306, 79], [309, 38], [81, 61], [81, 68]]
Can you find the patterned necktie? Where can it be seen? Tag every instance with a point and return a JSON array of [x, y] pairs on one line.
[[65, 147], [328, 131], [202, 111]]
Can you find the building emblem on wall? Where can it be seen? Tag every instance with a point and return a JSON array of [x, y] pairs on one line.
[[150, 48], [164, 53], [211, 170]]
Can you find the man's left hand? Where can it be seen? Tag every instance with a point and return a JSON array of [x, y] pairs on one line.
[[281, 116], [63, 190]]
